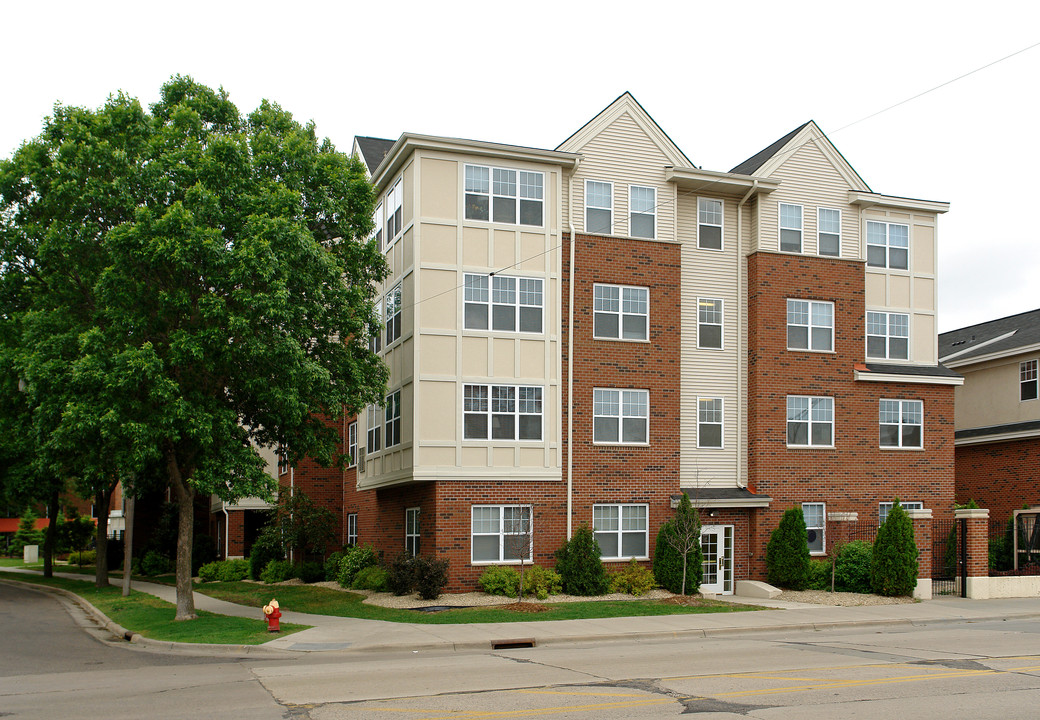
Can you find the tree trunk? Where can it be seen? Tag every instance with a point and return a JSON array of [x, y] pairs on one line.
[[50, 540], [101, 500], [184, 494]]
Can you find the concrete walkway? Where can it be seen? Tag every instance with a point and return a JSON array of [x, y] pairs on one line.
[[334, 633]]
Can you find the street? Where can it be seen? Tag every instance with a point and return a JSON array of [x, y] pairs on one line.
[[53, 668]]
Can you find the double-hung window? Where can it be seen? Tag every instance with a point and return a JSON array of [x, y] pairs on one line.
[[620, 531], [885, 508], [709, 422], [351, 534], [374, 426], [411, 531], [375, 339], [393, 418], [500, 533], [503, 195], [1027, 378], [709, 323], [642, 221], [810, 421], [377, 226], [502, 412], [810, 325], [394, 213], [283, 461], [888, 336], [620, 312], [888, 245], [511, 304], [599, 208], [709, 224], [352, 443], [790, 228], [621, 416], [901, 423], [815, 526], [828, 232], [393, 315]]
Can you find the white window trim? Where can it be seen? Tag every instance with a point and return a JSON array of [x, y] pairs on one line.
[[621, 314], [378, 229], [489, 414], [721, 324], [352, 446], [491, 304], [610, 209], [394, 295], [1023, 382], [408, 534], [620, 417], [900, 425], [721, 423], [283, 462], [373, 429], [394, 204], [780, 228], [721, 226], [887, 336], [822, 528], [810, 326], [490, 194], [351, 534], [819, 211], [885, 507], [502, 535], [652, 214], [810, 422], [621, 531], [393, 403], [887, 245]]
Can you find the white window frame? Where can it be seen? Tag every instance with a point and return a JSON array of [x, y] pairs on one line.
[[392, 426], [705, 219], [651, 212], [908, 414], [283, 462], [608, 208], [510, 185], [1028, 378], [375, 342], [809, 314], [624, 401], [500, 531], [487, 401], [883, 326], [789, 227], [524, 295], [711, 413], [819, 412], [886, 507], [392, 317], [820, 233], [351, 534], [821, 527], [706, 319], [882, 254], [411, 531], [394, 204], [629, 519], [625, 302], [377, 226], [373, 429], [352, 446]]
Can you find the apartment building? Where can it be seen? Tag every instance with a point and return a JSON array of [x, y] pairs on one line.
[[579, 335], [997, 419]]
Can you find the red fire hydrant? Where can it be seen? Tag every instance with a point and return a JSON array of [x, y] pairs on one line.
[[272, 614]]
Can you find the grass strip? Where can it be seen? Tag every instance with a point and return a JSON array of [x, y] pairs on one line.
[[323, 601], [154, 618]]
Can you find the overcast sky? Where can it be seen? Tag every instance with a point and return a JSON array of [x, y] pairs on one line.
[[723, 80]]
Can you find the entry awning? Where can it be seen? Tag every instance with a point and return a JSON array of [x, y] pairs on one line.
[[727, 497]]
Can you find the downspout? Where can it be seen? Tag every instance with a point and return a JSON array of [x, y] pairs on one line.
[[570, 353], [741, 431], [292, 494]]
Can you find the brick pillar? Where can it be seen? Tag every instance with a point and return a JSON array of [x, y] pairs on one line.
[[922, 520], [977, 533]]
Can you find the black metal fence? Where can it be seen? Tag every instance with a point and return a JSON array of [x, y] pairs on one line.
[[949, 554]]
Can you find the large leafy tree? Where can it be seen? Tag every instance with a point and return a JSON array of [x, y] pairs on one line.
[[200, 285]]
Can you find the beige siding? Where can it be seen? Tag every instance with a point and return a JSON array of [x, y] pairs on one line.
[[990, 395]]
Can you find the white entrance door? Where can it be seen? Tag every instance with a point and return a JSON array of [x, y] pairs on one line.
[[717, 568]]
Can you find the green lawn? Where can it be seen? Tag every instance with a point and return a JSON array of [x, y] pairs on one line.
[[323, 601], [17, 562], [153, 618]]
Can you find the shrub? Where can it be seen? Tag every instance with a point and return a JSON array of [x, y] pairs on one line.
[[542, 582], [668, 564], [634, 580], [209, 572], [27, 534], [500, 580], [86, 557], [154, 563], [893, 567], [355, 560], [400, 575], [277, 571], [267, 547], [852, 567], [310, 571], [429, 575], [332, 565], [371, 578], [203, 550], [580, 568], [819, 574], [787, 554], [505, 580]]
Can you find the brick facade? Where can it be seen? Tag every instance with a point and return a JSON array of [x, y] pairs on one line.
[[999, 476]]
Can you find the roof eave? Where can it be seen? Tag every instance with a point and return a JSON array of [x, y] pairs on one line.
[[868, 199], [719, 182]]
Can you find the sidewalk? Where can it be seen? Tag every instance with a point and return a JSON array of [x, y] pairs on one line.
[[352, 634]]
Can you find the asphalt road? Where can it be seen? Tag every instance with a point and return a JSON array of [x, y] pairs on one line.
[[52, 667]]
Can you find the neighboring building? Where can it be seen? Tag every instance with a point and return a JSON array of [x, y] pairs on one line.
[[998, 413], [576, 336]]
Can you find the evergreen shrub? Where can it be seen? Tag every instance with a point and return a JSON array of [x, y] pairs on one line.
[[277, 571], [634, 579], [893, 567], [371, 578], [787, 554], [580, 568], [668, 564], [309, 571], [400, 576], [852, 567], [154, 563], [354, 560], [429, 576], [819, 574], [268, 546], [332, 565]]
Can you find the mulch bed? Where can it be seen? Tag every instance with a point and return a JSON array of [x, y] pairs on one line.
[[524, 607]]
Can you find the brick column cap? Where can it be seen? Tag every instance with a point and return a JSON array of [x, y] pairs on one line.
[[971, 513], [843, 516], [920, 514]]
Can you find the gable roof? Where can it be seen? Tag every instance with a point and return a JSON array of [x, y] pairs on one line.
[[626, 103], [753, 163], [996, 338], [372, 150]]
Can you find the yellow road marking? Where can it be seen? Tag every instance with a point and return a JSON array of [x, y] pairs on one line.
[[593, 694], [860, 683], [559, 709]]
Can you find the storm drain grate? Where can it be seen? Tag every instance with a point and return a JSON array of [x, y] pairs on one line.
[[514, 644]]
